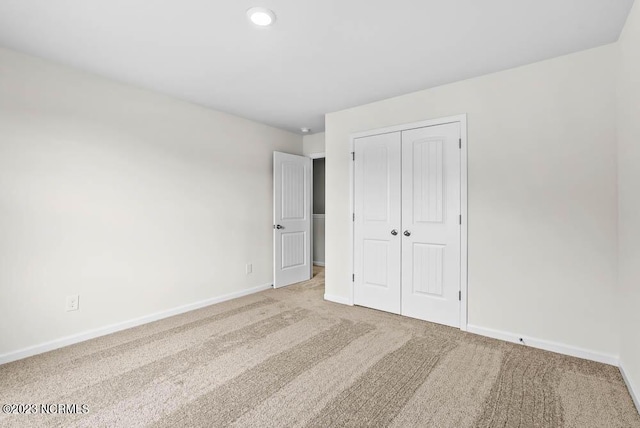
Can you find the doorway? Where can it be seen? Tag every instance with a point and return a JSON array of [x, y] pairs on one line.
[[318, 211]]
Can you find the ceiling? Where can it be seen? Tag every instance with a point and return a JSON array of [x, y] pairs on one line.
[[320, 56]]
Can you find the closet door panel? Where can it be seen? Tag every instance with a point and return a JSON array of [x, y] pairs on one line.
[[430, 224], [377, 214]]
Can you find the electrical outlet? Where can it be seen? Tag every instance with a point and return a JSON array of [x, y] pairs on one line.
[[73, 303], [249, 268]]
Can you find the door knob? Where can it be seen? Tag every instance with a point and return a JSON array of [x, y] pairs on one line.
[[277, 226], [407, 233], [394, 232]]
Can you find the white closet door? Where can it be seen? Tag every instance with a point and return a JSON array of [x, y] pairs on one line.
[[377, 222], [291, 219], [430, 224]]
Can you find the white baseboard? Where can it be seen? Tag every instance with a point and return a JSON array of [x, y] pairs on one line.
[[318, 263], [635, 396], [337, 299], [560, 348], [112, 328]]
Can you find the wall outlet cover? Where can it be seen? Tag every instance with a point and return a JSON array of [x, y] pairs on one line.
[[72, 303]]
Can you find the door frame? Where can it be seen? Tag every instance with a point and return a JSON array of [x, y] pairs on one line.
[[462, 120], [313, 156]]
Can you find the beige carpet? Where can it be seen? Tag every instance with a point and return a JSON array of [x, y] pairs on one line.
[[285, 358]]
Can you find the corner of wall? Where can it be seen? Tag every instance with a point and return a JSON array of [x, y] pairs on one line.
[[313, 144], [628, 149]]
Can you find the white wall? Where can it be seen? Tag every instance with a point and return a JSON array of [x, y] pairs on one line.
[[542, 195], [136, 201], [629, 196], [313, 143]]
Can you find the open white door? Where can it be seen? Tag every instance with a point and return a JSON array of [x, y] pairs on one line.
[[291, 219]]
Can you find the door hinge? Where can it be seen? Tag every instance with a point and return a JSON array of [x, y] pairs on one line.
[[460, 219], [353, 277], [353, 156], [354, 217], [460, 295], [460, 143]]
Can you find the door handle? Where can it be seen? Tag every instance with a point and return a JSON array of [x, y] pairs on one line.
[[277, 226], [407, 233], [394, 232]]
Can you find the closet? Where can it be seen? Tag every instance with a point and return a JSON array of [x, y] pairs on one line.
[[407, 222]]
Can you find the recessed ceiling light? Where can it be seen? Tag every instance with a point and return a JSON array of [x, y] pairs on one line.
[[305, 130], [261, 16]]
